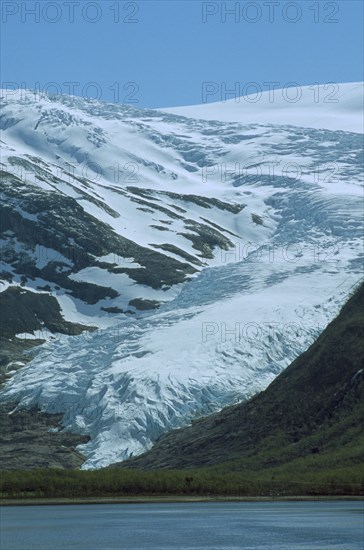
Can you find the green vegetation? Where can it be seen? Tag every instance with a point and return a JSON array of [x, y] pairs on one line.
[[302, 436], [306, 426], [114, 482]]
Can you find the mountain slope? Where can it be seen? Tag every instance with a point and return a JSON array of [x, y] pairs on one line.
[[316, 406], [102, 205], [206, 256]]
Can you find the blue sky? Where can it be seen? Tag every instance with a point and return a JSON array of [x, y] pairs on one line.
[[159, 53]]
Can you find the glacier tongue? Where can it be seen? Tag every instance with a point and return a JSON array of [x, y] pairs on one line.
[[225, 337], [231, 329]]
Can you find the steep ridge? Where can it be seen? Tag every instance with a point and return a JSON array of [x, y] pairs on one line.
[[315, 406], [247, 264]]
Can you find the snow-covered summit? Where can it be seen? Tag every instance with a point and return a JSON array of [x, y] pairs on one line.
[[329, 106]]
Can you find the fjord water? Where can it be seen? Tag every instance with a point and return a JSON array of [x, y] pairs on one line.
[[333, 525]]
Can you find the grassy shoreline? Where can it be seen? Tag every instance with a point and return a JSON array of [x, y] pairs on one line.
[[170, 499]]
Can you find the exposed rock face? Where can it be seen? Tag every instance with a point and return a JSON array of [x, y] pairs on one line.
[[31, 439]]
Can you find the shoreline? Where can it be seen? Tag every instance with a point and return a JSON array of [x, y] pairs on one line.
[[169, 500]]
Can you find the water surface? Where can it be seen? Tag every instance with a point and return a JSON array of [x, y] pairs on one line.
[[334, 525]]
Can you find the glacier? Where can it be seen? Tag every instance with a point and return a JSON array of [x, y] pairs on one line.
[[290, 254]]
